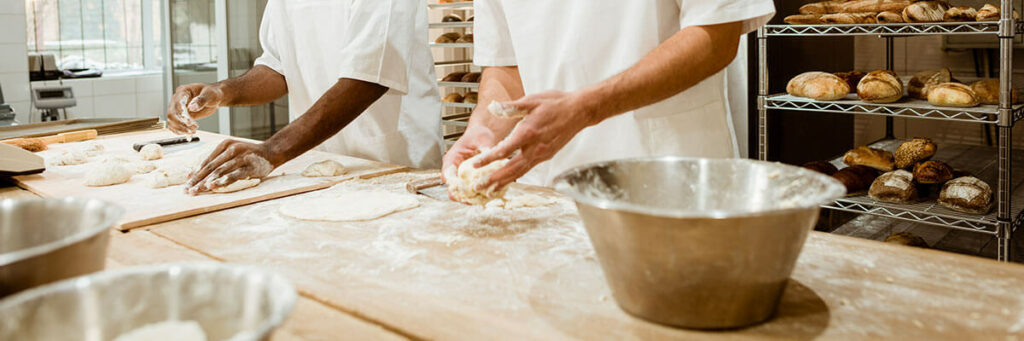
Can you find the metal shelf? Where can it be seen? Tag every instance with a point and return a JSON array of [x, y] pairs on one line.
[[454, 5], [939, 28], [457, 24], [906, 107], [977, 160], [452, 45], [458, 105], [458, 84]]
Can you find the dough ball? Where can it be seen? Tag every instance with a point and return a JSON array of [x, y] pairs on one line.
[[325, 168], [109, 173], [166, 177], [69, 157], [151, 152], [237, 186], [462, 185], [93, 149], [167, 330], [350, 206]]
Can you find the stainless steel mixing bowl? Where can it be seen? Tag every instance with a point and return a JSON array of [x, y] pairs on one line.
[[45, 240], [698, 243], [228, 301]]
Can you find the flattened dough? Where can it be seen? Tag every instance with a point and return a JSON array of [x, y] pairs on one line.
[[350, 206], [166, 177], [69, 157], [237, 186], [151, 151], [324, 168], [109, 173]]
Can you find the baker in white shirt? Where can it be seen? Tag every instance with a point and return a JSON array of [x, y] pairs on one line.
[[360, 81], [602, 80]]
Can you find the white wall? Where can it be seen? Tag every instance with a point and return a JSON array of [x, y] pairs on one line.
[[13, 60], [117, 96]]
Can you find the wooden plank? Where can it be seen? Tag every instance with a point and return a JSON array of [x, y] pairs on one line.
[[449, 271], [144, 206], [104, 126]]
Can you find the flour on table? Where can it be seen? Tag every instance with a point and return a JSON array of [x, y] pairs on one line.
[[166, 177], [143, 167], [93, 149], [69, 158], [349, 206], [167, 330], [237, 186], [324, 168], [462, 183], [151, 151], [109, 173]]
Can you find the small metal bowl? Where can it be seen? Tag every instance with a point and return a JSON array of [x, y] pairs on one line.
[[45, 240], [230, 302], [698, 243]]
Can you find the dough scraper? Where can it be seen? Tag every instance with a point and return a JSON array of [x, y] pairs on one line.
[[432, 187]]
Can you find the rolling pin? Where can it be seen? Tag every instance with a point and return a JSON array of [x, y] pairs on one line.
[[35, 144]]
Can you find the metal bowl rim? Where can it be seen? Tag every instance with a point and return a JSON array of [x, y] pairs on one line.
[[277, 282], [41, 249], [835, 191]]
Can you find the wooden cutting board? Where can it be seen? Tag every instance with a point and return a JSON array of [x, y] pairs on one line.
[[144, 205]]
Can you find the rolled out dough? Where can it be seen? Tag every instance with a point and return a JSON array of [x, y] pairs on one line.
[[237, 186], [324, 168], [165, 177], [109, 173], [350, 206]]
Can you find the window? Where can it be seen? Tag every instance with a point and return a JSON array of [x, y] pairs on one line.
[[102, 34]]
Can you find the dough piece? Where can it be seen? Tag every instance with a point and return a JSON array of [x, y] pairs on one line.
[[143, 167], [526, 200], [69, 158], [93, 149], [925, 11], [462, 183], [881, 86], [237, 186], [875, 158], [821, 86], [350, 206], [166, 331], [109, 173], [504, 111], [916, 150], [324, 168], [151, 152], [953, 95], [906, 238], [166, 177], [966, 194], [894, 187]]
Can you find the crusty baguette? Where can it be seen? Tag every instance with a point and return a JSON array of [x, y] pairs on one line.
[[859, 6], [803, 19], [822, 7], [849, 18], [889, 17]]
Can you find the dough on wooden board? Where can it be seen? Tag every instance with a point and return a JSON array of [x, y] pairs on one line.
[[324, 168], [350, 206], [237, 186], [109, 173], [167, 330], [93, 149], [166, 177], [69, 158], [463, 183], [151, 151]]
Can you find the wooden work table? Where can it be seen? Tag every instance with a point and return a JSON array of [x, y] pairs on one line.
[[445, 271]]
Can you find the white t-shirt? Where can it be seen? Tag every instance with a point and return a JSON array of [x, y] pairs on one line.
[[570, 44], [313, 43]]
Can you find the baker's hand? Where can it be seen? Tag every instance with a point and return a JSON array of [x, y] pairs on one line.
[[553, 118], [229, 162], [201, 100], [472, 141]]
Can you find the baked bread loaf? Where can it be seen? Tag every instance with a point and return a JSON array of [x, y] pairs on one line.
[[952, 95], [454, 77], [822, 7], [857, 6], [468, 38], [822, 86], [452, 18], [448, 38], [932, 172], [849, 18], [803, 19], [906, 238], [894, 187], [851, 78], [913, 151], [966, 194], [472, 77], [470, 97], [923, 81], [823, 167], [881, 86], [990, 12], [470, 19], [925, 11], [961, 13], [856, 178], [454, 97], [987, 91], [889, 17], [866, 156]]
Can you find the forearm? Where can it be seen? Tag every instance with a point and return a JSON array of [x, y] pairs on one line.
[[500, 84], [685, 59], [338, 107], [259, 85]]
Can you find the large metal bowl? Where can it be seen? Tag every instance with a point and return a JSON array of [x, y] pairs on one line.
[[698, 243], [229, 302], [45, 240]]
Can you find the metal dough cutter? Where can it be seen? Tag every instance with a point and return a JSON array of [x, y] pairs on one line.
[[432, 187], [17, 161]]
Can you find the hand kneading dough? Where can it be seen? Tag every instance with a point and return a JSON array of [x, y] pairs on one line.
[[462, 185], [351, 206], [151, 152], [166, 177], [167, 330], [69, 157], [109, 173], [324, 168], [237, 186]]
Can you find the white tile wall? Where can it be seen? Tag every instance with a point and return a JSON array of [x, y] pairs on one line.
[[13, 28], [113, 86], [114, 106], [115, 97], [15, 86], [13, 57], [149, 104]]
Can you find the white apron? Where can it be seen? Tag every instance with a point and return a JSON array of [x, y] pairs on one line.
[[570, 44], [313, 43]]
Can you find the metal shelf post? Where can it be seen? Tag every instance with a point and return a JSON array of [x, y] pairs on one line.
[[762, 93]]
